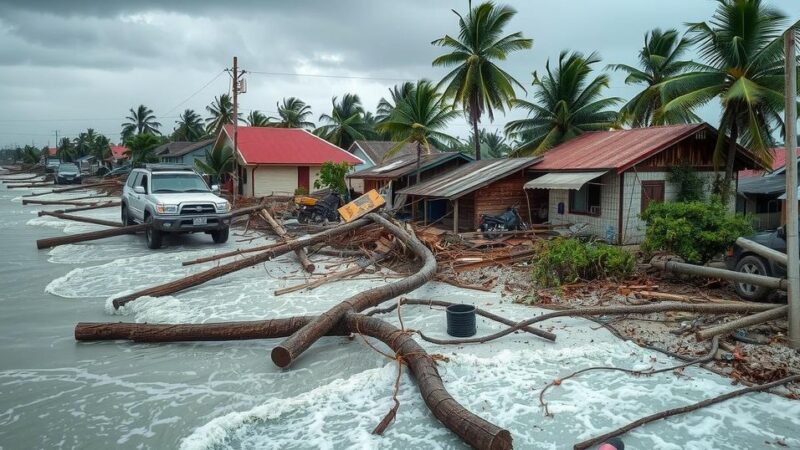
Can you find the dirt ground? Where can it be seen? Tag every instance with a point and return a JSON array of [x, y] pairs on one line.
[[756, 355]]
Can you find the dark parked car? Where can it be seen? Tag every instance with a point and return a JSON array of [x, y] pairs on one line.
[[745, 261], [68, 173]]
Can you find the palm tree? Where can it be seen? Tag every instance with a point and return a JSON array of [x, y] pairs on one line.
[[345, 123], [566, 105], [189, 127], [140, 148], [742, 47], [81, 145], [30, 155], [477, 82], [659, 60], [293, 113], [66, 151], [101, 147], [141, 120], [396, 94], [218, 162], [257, 119], [418, 118], [221, 111], [496, 146]]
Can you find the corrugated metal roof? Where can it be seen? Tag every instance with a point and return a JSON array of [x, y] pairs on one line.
[[377, 150], [618, 149], [406, 164], [563, 180], [469, 177], [181, 148], [766, 185]]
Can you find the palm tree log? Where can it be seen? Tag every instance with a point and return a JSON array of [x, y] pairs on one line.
[[474, 430], [216, 272], [60, 215], [28, 201], [110, 204], [302, 256], [90, 236], [74, 188], [296, 344], [744, 322], [232, 253], [713, 272], [29, 185]]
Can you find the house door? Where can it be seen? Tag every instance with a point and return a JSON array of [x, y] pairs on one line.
[[302, 178], [652, 191]]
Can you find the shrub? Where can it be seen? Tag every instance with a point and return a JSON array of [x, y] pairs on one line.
[[691, 187], [560, 261], [331, 175], [695, 231]]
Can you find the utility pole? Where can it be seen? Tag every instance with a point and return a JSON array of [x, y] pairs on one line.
[[792, 244], [235, 127]]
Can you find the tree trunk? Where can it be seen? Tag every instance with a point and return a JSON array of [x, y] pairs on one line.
[[474, 117], [110, 204], [91, 236], [419, 157], [744, 322], [107, 223], [730, 161], [297, 343], [302, 256], [216, 272]]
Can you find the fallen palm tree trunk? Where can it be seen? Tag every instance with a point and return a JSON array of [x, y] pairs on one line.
[[237, 252], [613, 310], [711, 272], [481, 312], [360, 267], [296, 344], [302, 256], [246, 210], [744, 322], [762, 250], [73, 188], [13, 180], [29, 185], [216, 272], [683, 410], [474, 430], [28, 201], [109, 204], [60, 215], [90, 236]]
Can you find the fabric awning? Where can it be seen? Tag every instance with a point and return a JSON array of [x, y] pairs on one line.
[[563, 180]]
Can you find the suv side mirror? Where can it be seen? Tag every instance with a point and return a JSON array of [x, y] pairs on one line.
[[215, 188], [139, 190]]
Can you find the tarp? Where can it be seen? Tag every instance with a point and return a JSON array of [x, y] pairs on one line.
[[563, 180]]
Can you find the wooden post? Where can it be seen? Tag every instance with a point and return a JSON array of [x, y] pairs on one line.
[[425, 213], [455, 216], [73, 238], [712, 272], [792, 244]]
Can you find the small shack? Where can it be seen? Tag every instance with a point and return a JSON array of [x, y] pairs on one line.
[[184, 152], [603, 180], [374, 153], [401, 172], [460, 196]]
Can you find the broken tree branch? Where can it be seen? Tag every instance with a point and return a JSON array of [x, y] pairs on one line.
[[360, 266], [109, 204], [744, 322], [302, 256], [216, 272], [60, 215], [296, 344], [90, 236], [683, 410], [232, 253], [712, 272]]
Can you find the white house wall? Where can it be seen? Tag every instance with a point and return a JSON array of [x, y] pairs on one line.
[[604, 225], [271, 180]]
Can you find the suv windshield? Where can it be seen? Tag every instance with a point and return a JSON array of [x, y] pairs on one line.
[[173, 182], [67, 168]]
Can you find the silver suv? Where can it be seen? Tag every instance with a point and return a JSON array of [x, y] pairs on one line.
[[174, 199]]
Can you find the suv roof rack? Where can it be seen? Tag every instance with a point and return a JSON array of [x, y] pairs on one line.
[[168, 168]]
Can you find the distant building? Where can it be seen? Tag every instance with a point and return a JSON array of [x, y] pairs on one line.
[[279, 160], [183, 152], [375, 153], [118, 155]]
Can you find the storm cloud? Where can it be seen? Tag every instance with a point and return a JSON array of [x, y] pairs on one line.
[[69, 65]]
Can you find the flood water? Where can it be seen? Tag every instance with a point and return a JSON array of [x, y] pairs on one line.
[[56, 393]]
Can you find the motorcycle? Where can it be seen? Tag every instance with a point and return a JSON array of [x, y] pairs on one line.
[[493, 226], [318, 211]]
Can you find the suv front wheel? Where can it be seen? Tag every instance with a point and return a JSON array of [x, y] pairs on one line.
[[126, 217], [220, 236], [152, 235], [753, 265]]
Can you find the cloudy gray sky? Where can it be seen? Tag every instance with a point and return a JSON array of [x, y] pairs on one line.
[[69, 65]]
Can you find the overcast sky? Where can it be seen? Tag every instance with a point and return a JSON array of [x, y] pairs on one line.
[[69, 65]]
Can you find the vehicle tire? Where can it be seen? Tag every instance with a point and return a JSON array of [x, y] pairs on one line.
[[755, 265], [302, 217], [220, 236], [126, 218], [153, 236]]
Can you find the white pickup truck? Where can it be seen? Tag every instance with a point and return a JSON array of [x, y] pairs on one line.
[[174, 199]]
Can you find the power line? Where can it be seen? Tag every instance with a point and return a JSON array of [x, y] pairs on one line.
[[197, 91], [313, 75]]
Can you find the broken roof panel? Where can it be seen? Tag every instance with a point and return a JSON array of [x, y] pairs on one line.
[[377, 150], [406, 165], [469, 177], [563, 180]]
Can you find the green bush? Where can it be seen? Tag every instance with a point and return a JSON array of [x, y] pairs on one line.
[[331, 175], [695, 231], [561, 261], [691, 187]]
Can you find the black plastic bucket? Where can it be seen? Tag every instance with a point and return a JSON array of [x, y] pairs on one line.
[[461, 320]]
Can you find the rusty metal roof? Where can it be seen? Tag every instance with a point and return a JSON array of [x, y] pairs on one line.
[[619, 149], [406, 164], [377, 150], [469, 177]]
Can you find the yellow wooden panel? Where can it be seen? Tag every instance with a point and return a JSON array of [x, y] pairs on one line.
[[362, 205]]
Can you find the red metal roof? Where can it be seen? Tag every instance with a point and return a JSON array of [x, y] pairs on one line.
[[287, 146], [616, 149], [118, 152], [778, 161], [52, 151]]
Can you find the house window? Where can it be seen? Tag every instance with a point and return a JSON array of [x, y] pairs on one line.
[[586, 200], [652, 191]]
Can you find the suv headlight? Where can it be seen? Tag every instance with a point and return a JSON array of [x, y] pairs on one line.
[[166, 209], [223, 207]]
